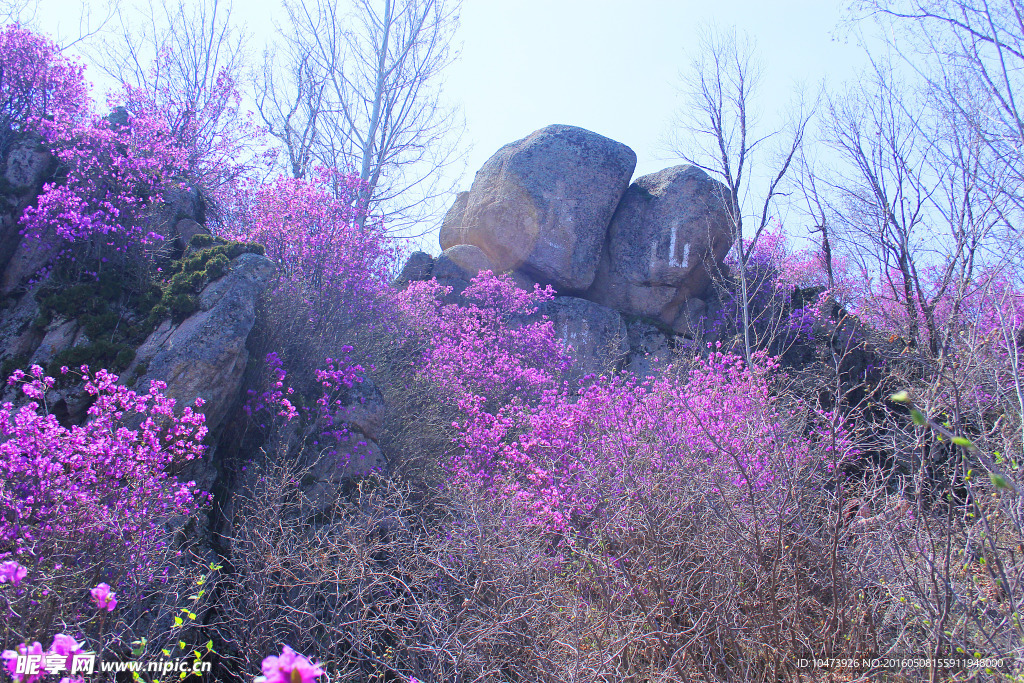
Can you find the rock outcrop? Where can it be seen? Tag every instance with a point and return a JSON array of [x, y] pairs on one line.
[[556, 208], [669, 232], [461, 262], [595, 336], [542, 204], [650, 348], [451, 227], [205, 355], [419, 266], [26, 167]]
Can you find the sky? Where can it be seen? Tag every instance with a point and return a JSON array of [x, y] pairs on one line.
[[606, 65], [615, 70]]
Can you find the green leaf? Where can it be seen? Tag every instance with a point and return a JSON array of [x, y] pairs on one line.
[[900, 397], [178, 621], [209, 646], [999, 481], [181, 643], [167, 653], [192, 616], [961, 441], [917, 416]]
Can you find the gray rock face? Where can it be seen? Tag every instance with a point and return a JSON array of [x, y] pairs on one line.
[[27, 258], [669, 231], [183, 202], [461, 262], [185, 230], [649, 349], [595, 335], [542, 204], [451, 227], [60, 335], [205, 355], [418, 267], [18, 335], [26, 166]]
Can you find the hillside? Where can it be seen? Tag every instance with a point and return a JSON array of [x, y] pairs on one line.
[[604, 435]]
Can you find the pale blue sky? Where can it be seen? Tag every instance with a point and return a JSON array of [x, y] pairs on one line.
[[613, 66], [606, 65]]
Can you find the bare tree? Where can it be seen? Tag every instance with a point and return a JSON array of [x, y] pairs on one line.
[[906, 198], [86, 20], [289, 98], [364, 95], [19, 11], [719, 132], [971, 53]]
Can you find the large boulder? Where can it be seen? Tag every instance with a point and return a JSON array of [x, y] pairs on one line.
[[26, 166], [461, 262], [451, 226], [417, 267], [650, 348], [670, 231], [594, 335], [205, 355], [542, 205]]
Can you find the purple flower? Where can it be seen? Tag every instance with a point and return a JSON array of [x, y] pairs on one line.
[[66, 646], [12, 571], [12, 662], [104, 597], [290, 667]]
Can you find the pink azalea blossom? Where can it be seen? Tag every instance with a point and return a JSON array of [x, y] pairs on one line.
[[104, 597], [12, 571], [290, 667], [12, 662], [66, 646]]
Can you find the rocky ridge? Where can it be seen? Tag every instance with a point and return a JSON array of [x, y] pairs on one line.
[[631, 261]]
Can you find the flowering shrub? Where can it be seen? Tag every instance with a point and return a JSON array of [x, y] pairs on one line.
[[217, 138], [323, 414], [718, 423], [113, 175], [778, 318], [83, 508], [490, 350], [66, 485], [37, 82], [525, 436], [310, 229]]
